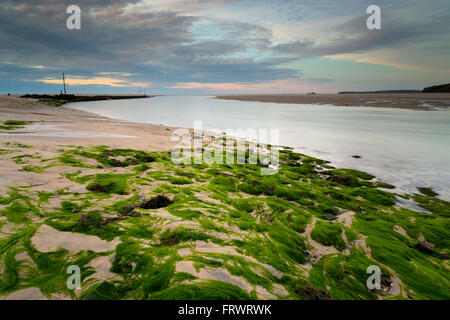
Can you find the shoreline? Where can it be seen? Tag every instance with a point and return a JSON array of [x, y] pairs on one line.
[[57, 120], [61, 99], [410, 101]]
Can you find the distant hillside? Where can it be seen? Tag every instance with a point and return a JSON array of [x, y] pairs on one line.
[[383, 91], [440, 88]]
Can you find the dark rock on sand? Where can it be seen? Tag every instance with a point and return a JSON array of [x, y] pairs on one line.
[[156, 202], [311, 293], [128, 208], [133, 213], [427, 191]]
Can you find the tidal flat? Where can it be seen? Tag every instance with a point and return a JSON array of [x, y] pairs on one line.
[[140, 227]]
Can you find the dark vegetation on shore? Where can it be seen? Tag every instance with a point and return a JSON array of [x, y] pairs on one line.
[[61, 99], [380, 92], [13, 124], [432, 89], [440, 88]]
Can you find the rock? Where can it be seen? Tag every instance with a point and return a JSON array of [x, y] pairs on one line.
[[146, 158], [156, 202], [386, 286], [116, 163], [427, 191], [341, 180], [98, 188], [330, 217], [424, 246], [311, 293], [133, 213], [385, 281], [305, 253], [128, 208], [75, 210]]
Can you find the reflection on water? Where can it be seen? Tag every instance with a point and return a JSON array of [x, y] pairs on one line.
[[404, 147]]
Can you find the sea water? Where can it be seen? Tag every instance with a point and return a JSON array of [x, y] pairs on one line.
[[407, 148]]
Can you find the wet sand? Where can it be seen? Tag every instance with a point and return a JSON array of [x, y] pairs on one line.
[[52, 126], [413, 101]]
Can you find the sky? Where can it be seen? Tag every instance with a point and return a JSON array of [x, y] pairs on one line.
[[223, 46]]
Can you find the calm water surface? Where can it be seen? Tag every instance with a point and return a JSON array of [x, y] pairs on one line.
[[404, 147]]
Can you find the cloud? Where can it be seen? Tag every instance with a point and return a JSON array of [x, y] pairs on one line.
[[294, 85], [167, 43], [155, 46]]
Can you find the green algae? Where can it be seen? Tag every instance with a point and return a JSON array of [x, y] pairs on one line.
[[427, 191], [207, 290], [263, 218], [328, 234]]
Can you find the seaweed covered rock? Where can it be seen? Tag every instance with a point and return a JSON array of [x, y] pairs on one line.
[[386, 286], [427, 191], [425, 246], [128, 208], [157, 202], [132, 214], [341, 180], [129, 211], [124, 157], [308, 292], [101, 188]]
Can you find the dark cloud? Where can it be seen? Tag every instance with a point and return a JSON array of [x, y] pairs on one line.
[[155, 46], [166, 47]]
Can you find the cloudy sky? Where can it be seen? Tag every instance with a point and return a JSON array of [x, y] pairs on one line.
[[223, 46]]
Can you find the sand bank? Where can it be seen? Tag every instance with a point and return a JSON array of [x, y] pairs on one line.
[[52, 126], [413, 101]]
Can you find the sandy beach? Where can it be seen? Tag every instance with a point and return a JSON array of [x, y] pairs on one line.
[[414, 101], [65, 126]]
